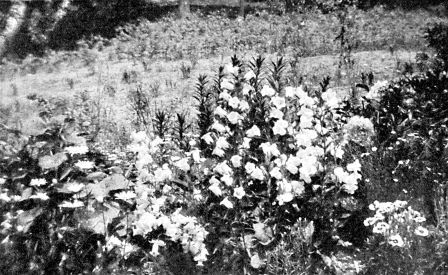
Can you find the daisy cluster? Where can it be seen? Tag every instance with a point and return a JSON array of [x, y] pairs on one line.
[[397, 222]]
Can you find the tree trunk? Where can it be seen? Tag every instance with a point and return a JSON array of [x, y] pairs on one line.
[[184, 8], [242, 8], [14, 21]]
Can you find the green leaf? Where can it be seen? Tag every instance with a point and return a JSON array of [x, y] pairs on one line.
[[26, 218], [52, 161], [100, 219], [102, 189]]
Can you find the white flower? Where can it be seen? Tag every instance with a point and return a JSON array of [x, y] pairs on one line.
[[227, 203], [278, 102], [4, 197], [215, 189], [155, 247], [250, 167], [293, 91], [196, 155], [244, 106], [163, 173], [280, 127], [227, 179], [354, 166], [220, 112], [74, 204], [270, 149], [182, 164], [222, 143], [246, 143], [421, 231], [125, 195], [74, 187], [381, 228], [257, 174], [2, 181], [230, 69], [40, 196], [419, 219], [276, 113], [267, 91], [308, 169], [84, 164], [38, 182], [234, 102], [305, 137], [253, 132], [73, 150], [292, 163], [331, 99], [239, 192], [396, 240], [207, 138], [236, 161], [246, 89], [226, 84], [219, 127], [234, 117], [222, 168], [276, 173], [249, 75], [298, 187]]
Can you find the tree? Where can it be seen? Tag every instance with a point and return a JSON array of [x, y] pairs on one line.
[[242, 8], [14, 20], [184, 8]]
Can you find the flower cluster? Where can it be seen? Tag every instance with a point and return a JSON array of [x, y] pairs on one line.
[[397, 222]]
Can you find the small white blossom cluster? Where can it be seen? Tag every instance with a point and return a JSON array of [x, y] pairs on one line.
[[394, 221], [178, 228]]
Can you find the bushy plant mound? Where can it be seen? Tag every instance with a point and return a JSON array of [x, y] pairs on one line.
[[266, 156]]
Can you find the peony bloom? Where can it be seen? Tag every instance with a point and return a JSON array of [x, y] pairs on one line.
[[257, 174], [267, 91], [280, 127], [253, 132], [239, 192], [250, 167]]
